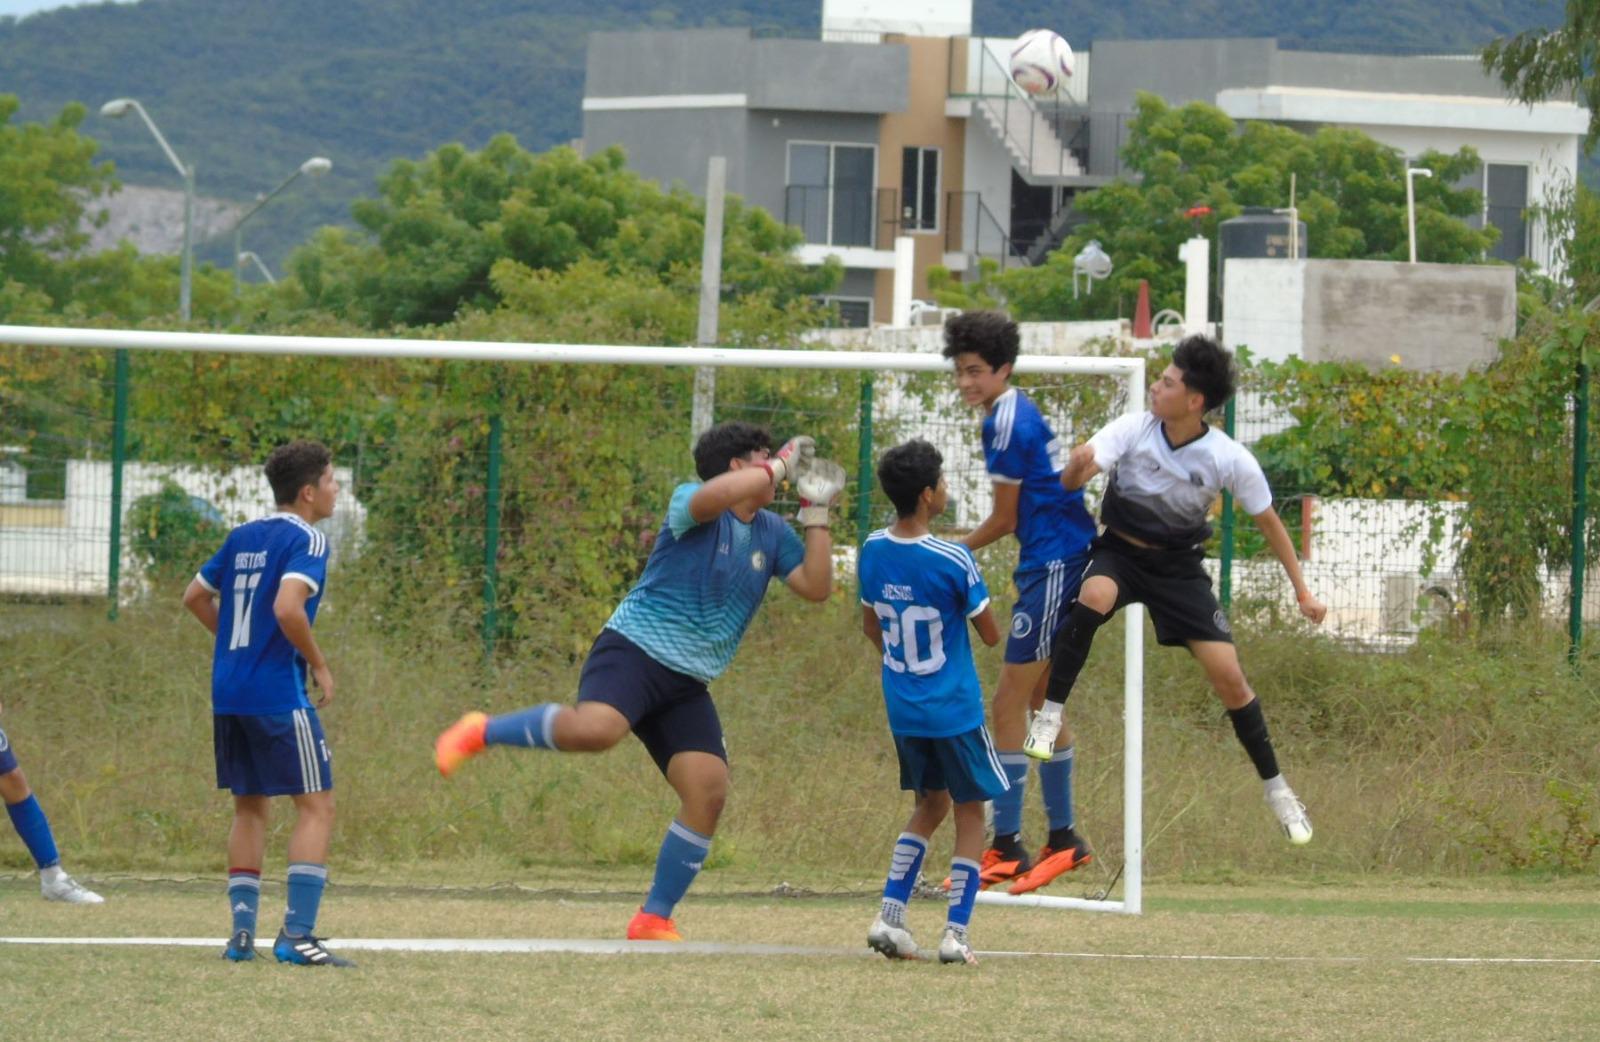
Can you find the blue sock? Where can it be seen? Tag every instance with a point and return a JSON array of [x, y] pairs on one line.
[[683, 851], [305, 896], [1055, 785], [244, 897], [34, 828], [1008, 805], [963, 891], [904, 865], [529, 728]]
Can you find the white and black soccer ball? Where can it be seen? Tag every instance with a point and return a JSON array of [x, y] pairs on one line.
[[1041, 62]]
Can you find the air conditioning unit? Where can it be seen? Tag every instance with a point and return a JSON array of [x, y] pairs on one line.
[[1412, 603]]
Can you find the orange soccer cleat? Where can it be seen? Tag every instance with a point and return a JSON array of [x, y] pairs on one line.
[[460, 742], [647, 927], [1052, 863]]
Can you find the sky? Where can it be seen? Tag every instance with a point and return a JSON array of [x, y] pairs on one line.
[[19, 8]]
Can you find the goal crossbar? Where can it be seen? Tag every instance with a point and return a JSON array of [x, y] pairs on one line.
[[1130, 370]]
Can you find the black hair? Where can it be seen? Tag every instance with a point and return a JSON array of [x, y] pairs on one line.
[[1207, 369], [721, 445], [906, 470], [989, 334], [292, 467]]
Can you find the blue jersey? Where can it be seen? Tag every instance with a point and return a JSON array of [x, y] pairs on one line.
[[924, 591], [1019, 448], [703, 584], [255, 671]]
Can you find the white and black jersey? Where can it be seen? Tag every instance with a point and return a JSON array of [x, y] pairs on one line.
[[1162, 493]]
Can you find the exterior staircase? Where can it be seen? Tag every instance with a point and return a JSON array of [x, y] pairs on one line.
[[1029, 138]]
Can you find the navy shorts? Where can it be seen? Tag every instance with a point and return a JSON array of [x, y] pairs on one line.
[[1043, 595], [964, 764], [1171, 584], [670, 712], [8, 759], [280, 754]]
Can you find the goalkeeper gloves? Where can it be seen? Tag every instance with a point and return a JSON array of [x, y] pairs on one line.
[[792, 460], [819, 488]]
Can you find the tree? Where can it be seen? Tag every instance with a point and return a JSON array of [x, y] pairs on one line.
[[1350, 191], [439, 226], [1541, 63]]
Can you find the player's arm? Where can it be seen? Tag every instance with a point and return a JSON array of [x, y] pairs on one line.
[[813, 580], [1081, 466], [987, 628], [289, 608], [872, 626], [1283, 548], [202, 604], [1002, 519], [755, 477]]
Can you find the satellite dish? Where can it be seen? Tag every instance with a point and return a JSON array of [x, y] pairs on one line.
[[1092, 262]]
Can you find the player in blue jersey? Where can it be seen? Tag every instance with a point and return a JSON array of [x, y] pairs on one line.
[[674, 633], [269, 576], [917, 594], [1053, 529], [34, 828]]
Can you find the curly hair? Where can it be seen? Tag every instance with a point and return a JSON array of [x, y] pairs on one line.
[[1207, 368], [292, 467], [722, 444], [906, 470], [989, 334]]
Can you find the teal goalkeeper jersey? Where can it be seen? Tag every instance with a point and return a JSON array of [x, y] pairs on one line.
[[703, 584]]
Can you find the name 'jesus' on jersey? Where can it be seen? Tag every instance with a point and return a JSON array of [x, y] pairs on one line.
[[255, 671], [1019, 448], [923, 591], [1162, 493]]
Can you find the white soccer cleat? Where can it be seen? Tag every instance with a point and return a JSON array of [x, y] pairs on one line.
[[892, 942], [59, 886], [956, 948], [1041, 741], [1291, 814]]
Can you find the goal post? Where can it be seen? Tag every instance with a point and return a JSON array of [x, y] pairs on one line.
[[1129, 371]]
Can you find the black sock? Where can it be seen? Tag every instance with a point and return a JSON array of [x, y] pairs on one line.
[[1062, 839], [1251, 727], [1009, 845], [1070, 650]]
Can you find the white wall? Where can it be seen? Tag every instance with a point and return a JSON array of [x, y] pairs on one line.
[[1263, 303]]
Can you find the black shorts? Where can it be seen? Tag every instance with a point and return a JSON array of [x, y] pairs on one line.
[[1171, 584], [670, 712]]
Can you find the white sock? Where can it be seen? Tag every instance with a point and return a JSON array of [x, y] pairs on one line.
[[51, 874], [1277, 784]]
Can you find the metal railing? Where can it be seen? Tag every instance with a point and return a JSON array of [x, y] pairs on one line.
[[984, 79], [833, 216], [970, 227]]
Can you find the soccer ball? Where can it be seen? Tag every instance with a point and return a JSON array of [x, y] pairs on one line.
[[1041, 61]]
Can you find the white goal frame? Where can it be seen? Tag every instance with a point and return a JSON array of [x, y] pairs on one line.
[[1130, 370]]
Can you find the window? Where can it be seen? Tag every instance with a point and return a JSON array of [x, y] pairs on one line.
[[853, 312], [919, 190], [1505, 197], [830, 195]]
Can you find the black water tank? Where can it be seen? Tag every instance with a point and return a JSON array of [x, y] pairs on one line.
[[1258, 232]]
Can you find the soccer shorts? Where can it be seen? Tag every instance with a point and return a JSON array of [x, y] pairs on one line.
[[280, 754], [1171, 584], [670, 712], [8, 759], [1043, 595], [964, 764]]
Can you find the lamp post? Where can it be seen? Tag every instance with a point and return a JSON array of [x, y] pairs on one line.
[[316, 166], [1412, 173], [116, 109], [254, 258]]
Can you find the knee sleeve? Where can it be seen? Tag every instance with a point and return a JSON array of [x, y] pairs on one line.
[[1070, 649]]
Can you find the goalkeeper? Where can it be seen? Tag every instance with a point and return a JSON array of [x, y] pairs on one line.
[[675, 632]]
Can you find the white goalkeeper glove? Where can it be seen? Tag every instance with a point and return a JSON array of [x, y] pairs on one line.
[[792, 460], [819, 489]]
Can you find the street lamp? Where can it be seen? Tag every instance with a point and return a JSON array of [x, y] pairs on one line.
[[1412, 174], [316, 166], [239, 260], [120, 107]]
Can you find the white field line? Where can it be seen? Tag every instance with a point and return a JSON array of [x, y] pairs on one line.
[[586, 946]]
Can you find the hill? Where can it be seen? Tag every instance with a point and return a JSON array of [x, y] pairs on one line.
[[246, 91]]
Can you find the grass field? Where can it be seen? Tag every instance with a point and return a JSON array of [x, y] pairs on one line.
[[1274, 960]]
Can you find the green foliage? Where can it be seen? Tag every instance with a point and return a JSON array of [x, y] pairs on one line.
[[1568, 846], [1537, 65], [441, 227], [168, 532], [1350, 191]]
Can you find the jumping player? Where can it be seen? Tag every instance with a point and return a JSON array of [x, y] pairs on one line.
[[917, 594], [27, 817], [269, 576], [674, 633], [1166, 468], [1053, 530]]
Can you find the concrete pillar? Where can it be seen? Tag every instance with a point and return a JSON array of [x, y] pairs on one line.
[[1196, 255], [904, 274]]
